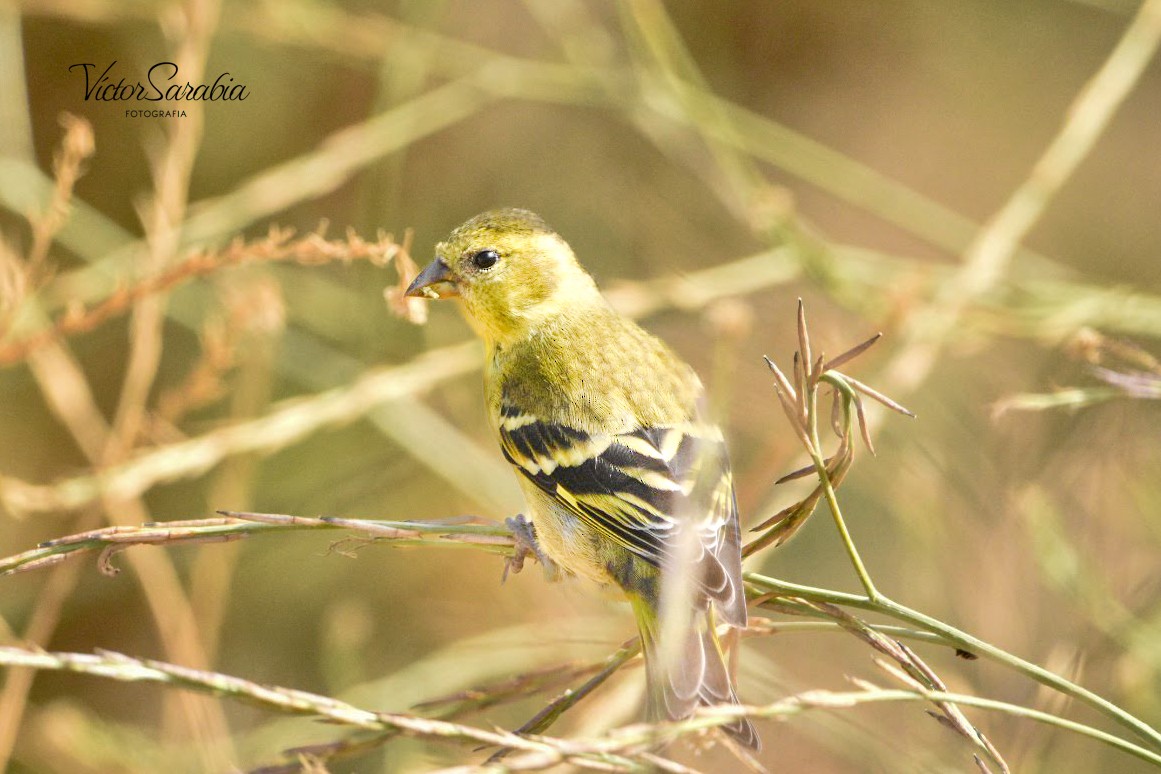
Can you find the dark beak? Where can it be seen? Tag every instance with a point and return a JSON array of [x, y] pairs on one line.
[[434, 282]]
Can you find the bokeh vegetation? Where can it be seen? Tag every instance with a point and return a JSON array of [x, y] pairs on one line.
[[978, 180]]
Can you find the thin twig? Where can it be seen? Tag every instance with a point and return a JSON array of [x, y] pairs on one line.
[[799, 402], [618, 750], [286, 423], [966, 642], [119, 667], [487, 536], [991, 251], [277, 245]]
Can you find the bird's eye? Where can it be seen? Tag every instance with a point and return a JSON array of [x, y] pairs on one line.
[[485, 259]]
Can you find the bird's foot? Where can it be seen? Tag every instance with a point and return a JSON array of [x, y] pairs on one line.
[[526, 545]]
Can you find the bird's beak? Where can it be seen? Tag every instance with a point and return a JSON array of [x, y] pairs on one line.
[[433, 282]]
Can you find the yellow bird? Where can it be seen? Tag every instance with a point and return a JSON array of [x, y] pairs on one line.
[[625, 482]]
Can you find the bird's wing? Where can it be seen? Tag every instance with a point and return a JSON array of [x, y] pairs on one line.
[[645, 488]]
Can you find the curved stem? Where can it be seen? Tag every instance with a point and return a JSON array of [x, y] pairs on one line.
[[969, 643], [828, 490]]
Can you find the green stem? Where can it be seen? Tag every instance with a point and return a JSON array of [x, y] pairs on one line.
[[966, 642], [795, 705], [828, 491], [1017, 710], [894, 632]]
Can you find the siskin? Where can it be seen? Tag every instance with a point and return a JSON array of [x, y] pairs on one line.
[[625, 482]]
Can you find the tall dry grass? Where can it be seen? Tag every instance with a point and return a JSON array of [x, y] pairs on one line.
[[170, 347]]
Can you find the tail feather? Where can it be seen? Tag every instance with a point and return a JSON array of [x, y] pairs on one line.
[[694, 676]]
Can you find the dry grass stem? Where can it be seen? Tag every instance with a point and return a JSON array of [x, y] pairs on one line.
[[111, 540], [798, 401], [1124, 370], [132, 417], [68, 163], [287, 422], [622, 749], [279, 245], [988, 256]]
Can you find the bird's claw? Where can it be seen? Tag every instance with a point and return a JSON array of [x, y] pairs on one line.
[[524, 533]]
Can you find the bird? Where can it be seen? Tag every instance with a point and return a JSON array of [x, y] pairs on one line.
[[625, 480]]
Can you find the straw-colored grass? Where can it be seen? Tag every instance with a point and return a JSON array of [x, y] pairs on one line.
[[168, 350]]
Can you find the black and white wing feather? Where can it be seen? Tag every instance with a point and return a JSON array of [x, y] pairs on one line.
[[642, 488]]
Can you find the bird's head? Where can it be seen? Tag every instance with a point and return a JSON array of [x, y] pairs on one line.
[[512, 272]]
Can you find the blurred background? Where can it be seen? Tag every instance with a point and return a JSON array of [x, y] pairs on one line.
[[710, 164]]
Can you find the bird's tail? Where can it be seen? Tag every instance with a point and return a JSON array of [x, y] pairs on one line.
[[688, 674]]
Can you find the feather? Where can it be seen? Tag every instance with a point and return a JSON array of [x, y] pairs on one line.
[[624, 482], [640, 489]]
